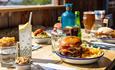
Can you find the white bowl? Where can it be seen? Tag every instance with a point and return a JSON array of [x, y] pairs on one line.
[[107, 40], [23, 67], [38, 40], [73, 60]]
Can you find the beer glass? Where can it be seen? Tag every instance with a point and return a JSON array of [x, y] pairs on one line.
[[88, 20]]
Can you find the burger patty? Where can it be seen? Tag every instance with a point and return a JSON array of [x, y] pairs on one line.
[[73, 52]]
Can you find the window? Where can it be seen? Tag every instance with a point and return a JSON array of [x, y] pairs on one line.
[[31, 2], [25, 2]]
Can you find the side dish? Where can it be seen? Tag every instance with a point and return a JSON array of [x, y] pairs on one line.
[[23, 63], [7, 41], [22, 60], [40, 33], [105, 32]]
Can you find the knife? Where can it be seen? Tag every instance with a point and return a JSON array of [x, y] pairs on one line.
[[104, 44]]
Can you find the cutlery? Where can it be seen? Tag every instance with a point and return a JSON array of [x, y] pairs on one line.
[[100, 45]]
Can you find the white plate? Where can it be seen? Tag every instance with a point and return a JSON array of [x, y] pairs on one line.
[[79, 60], [103, 39]]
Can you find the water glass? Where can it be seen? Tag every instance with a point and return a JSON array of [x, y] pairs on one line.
[[7, 56], [55, 40]]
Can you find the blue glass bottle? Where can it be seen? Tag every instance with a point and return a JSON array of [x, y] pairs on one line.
[[68, 17]]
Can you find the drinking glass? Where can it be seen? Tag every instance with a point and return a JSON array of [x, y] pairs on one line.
[[88, 20], [99, 17], [25, 40], [55, 40], [8, 56]]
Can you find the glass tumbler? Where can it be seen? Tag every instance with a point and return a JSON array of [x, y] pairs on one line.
[[8, 55], [55, 40]]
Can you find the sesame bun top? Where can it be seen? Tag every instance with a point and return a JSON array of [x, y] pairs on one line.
[[71, 41]]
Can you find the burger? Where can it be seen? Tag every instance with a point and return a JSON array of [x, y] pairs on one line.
[[105, 32], [70, 46]]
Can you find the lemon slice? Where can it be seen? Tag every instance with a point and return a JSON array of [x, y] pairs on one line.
[[23, 27]]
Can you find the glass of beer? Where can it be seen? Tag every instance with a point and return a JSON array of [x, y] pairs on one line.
[[88, 20]]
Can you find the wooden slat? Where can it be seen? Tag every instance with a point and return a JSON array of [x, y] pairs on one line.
[[4, 20], [14, 18], [27, 7], [42, 15]]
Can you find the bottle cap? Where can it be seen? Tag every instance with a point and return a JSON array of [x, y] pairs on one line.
[[59, 18], [77, 12], [68, 5]]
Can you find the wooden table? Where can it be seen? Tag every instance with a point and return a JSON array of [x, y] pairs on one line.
[[45, 55]]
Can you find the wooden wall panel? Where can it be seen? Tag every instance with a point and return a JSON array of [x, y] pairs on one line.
[[111, 10], [37, 17], [4, 20], [46, 17], [24, 16], [41, 16], [14, 18]]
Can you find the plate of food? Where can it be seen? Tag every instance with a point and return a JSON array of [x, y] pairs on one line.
[[41, 36], [8, 45], [71, 50], [105, 34]]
